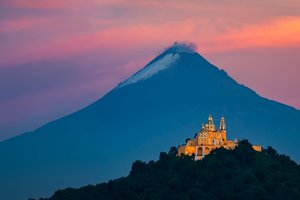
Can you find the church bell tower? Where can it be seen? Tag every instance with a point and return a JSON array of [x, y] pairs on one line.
[[210, 124], [222, 124]]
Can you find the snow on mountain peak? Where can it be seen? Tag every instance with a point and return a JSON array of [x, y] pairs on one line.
[[182, 47], [152, 69]]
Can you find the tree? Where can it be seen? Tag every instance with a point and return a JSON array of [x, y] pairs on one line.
[[137, 167], [173, 152]]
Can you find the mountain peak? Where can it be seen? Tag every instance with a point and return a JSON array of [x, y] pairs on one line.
[[162, 62], [181, 47]]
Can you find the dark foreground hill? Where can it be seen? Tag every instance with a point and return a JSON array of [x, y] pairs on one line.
[[238, 174], [161, 105]]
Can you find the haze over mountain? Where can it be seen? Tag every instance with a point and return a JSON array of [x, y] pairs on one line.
[[157, 107]]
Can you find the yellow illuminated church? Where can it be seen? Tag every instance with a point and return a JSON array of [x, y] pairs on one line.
[[208, 139]]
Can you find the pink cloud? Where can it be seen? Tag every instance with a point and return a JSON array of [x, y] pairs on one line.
[[17, 25], [282, 32], [277, 33], [83, 26], [55, 5], [112, 40]]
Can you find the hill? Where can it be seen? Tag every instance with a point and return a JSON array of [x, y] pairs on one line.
[[160, 105], [241, 173]]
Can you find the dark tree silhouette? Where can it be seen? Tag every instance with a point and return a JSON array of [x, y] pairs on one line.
[[241, 173]]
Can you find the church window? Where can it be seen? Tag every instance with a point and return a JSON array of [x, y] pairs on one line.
[[214, 142]]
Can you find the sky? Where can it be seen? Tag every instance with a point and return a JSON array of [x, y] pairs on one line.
[[58, 56]]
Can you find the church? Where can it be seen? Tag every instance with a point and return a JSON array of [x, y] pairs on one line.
[[208, 139]]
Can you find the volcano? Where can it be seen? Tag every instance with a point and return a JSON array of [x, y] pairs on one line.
[[156, 108]]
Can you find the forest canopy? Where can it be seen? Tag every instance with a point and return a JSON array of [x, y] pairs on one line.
[[241, 173]]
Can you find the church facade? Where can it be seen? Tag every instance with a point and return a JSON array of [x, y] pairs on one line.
[[208, 139]]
